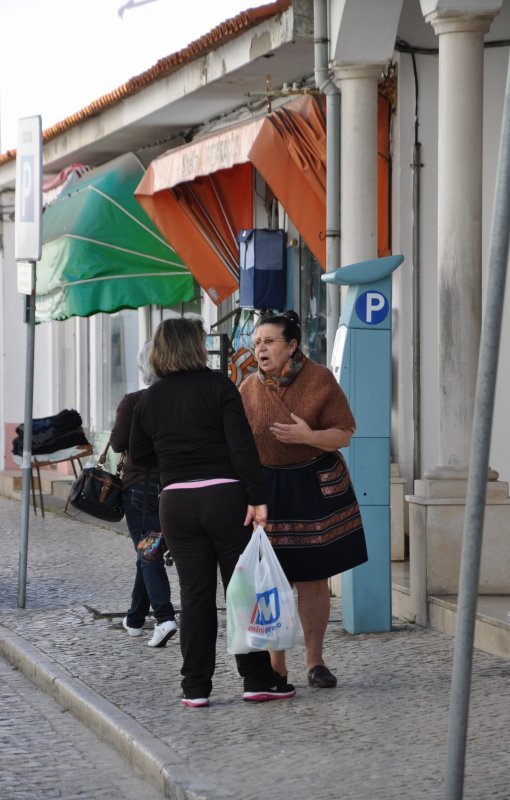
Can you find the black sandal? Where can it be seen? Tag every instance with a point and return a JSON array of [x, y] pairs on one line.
[[321, 678]]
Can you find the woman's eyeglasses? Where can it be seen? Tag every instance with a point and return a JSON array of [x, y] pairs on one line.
[[267, 341]]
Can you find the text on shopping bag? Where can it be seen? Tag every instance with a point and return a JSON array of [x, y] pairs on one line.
[[266, 613]]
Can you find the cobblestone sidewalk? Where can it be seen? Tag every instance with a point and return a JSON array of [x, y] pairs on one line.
[[381, 735]]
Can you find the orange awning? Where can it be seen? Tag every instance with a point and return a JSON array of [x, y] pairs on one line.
[[290, 154], [383, 177], [199, 196]]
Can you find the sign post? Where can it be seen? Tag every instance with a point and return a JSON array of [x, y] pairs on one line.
[[361, 362], [27, 250]]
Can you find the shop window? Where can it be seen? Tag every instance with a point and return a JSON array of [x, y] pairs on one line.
[[120, 350], [306, 294], [65, 362], [158, 313], [312, 306]]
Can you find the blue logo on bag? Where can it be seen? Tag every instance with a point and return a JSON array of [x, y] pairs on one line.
[[267, 608]]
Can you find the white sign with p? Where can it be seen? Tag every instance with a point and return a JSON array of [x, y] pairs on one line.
[[28, 203]]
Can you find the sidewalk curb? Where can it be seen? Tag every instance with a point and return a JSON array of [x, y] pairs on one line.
[[159, 764]]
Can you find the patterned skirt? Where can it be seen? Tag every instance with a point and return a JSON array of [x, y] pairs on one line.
[[314, 521]]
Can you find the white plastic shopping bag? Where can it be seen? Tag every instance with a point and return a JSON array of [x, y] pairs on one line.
[[261, 612]]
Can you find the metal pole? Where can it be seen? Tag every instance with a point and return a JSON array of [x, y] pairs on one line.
[[479, 463], [416, 165], [27, 443], [324, 82], [332, 215]]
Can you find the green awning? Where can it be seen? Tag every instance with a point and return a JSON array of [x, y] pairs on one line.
[[102, 253]]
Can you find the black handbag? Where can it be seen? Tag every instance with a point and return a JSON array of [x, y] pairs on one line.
[[97, 492]]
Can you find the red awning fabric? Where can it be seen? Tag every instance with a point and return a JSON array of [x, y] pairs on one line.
[[383, 177], [199, 196], [290, 154]]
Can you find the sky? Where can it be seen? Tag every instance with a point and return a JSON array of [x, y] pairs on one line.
[[57, 56]]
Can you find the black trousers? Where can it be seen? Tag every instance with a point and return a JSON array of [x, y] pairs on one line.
[[204, 529]]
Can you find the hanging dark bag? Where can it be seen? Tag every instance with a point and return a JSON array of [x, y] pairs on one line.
[[262, 268], [97, 492], [152, 545]]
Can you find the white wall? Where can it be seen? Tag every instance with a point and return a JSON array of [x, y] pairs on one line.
[[13, 342], [2, 349], [14, 336]]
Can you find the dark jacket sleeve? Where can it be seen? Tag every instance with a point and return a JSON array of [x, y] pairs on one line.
[[141, 449], [119, 436], [241, 444]]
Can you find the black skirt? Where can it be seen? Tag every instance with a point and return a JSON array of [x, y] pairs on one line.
[[314, 521]]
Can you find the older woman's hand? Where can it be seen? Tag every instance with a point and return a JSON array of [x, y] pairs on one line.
[[257, 515], [298, 432]]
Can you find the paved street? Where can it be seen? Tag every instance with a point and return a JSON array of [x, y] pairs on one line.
[[46, 753], [381, 735]]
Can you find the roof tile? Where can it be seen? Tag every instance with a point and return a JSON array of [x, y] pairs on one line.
[[218, 36]]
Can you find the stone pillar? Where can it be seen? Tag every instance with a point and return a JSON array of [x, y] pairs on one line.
[[460, 124], [358, 206], [437, 508], [358, 190]]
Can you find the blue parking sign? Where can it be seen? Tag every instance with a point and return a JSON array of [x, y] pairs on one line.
[[372, 307]]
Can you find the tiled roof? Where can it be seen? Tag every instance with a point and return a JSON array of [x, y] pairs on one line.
[[219, 35]]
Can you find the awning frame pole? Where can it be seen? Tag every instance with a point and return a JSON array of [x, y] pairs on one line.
[[227, 258], [221, 206], [479, 464]]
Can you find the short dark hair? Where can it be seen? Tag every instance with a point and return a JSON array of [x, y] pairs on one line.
[[288, 321], [178, 345]]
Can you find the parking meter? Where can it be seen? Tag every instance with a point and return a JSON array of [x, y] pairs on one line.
[[361, 362]]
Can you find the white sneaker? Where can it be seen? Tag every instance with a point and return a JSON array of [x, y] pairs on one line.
[[162, 633], [131, 631]]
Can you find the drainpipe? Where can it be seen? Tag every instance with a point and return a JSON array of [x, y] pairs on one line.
[[416, 167], [324, 82]]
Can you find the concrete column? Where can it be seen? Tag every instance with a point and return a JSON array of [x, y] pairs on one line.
[[437, 509], [366, 592], [460, 123], [358, 189]]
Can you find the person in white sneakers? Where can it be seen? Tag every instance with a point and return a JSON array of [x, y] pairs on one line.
[[151, 587]]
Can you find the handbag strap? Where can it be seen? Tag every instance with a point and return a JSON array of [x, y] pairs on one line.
[[102, 458]]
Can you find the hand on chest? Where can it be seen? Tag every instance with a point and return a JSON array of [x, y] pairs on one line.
[[278, 419]]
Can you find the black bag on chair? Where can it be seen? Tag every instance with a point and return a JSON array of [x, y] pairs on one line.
[[97, 492]]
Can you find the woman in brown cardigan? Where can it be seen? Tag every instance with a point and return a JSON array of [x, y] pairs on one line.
[[300, 418]]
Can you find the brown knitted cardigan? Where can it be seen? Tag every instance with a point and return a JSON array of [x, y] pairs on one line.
[[314, 395]]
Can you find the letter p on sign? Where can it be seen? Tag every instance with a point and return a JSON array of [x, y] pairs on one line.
[[28, 214], [375, 301], [27, 189], [372, 307]]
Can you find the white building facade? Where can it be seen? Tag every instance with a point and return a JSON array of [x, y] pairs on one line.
[[447, 61]]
